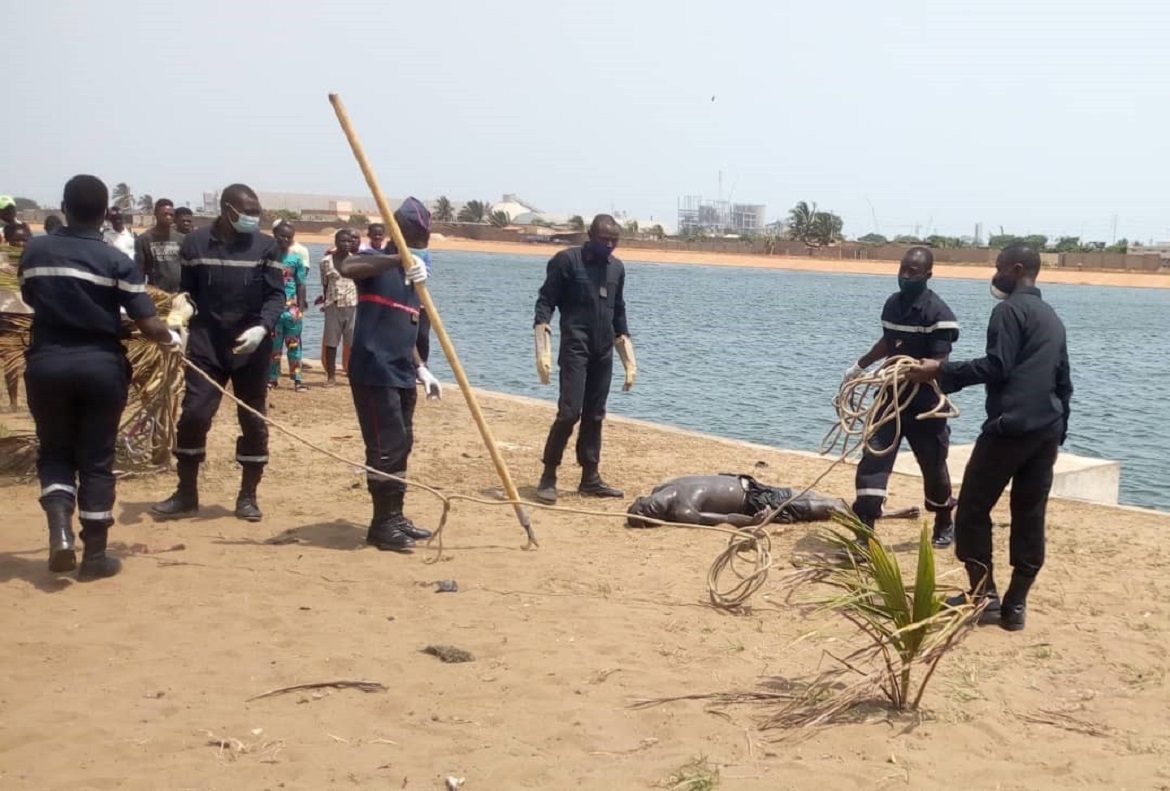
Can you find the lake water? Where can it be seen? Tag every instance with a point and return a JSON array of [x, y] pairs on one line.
[[757, 355]]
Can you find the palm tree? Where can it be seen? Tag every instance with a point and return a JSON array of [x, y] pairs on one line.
[[473, 211], [123, 198], [146, 204], [577, 222], [499, 219], [826, 228], [444, 211], [800, 221]]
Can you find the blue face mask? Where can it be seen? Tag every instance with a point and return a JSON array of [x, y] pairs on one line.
[[911, 288], [601, 250], [425, 255], [245, 223]]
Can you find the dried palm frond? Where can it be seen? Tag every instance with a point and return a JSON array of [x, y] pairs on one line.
[[147, 432], [18, 454]]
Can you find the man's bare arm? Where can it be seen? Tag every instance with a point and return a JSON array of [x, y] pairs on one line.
[[361, 267], [880, 351], [735, 520]]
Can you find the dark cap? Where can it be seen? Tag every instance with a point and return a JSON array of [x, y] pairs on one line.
[[413, 214]]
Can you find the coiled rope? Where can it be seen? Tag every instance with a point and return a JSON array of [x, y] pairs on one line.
[[864, 405], [748, 555]]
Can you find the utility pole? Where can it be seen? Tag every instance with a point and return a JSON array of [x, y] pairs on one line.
[[1114, 229]]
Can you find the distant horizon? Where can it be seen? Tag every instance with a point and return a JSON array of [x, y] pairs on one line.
[[671, 226]]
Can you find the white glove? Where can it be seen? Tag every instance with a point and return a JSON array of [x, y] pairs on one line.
[[854, 371], [249, 340], [417, 271], [430, 383]]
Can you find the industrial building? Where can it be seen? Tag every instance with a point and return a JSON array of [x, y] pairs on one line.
[[719, 217]]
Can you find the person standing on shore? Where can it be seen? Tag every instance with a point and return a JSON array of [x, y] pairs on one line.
[[289, 326], [916, 322], [157, 251], [383, 368], [11, 306], [376, 233], [233, 275], [118, 235], [17, 234], [184, 220], [339, 302], [78, 376], [414, 220], [1029, 388], [587, 285], [8, 210]]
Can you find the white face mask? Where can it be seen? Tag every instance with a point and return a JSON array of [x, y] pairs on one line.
[[998, 293]]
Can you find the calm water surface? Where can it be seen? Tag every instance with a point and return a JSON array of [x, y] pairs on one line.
[[757, 355]]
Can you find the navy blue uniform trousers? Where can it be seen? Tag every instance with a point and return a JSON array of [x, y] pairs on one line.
[[76, 396]]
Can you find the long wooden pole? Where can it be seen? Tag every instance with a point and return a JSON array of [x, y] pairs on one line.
[[436, 322]]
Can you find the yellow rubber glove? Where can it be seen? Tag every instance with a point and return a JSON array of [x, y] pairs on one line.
[[625, 350], [182, 310], [542, 334]]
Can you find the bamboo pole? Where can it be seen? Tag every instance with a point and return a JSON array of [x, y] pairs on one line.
[[436, 322]]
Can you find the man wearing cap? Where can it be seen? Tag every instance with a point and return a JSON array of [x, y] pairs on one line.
[[7, 210], [587, 284], [157, 251], [234, 277], [118, 235], [383, 367]]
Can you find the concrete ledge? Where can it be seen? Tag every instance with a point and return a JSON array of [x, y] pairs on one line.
[[1074, 477]]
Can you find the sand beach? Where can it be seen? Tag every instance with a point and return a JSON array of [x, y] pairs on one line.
[[143, 681]]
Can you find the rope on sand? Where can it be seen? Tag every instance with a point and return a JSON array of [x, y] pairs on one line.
[[748, 555]]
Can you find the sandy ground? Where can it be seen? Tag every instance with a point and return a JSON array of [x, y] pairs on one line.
[[972, 272], [123, 683]]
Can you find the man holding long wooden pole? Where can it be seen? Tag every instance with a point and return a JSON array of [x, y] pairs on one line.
[[436, 322], [383, 367]]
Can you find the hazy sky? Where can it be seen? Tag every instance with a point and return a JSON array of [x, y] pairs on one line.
[[1047, 117]]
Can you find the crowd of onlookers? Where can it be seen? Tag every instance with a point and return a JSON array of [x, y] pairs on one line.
[[157, 252]]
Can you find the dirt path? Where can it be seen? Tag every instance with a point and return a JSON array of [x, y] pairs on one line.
[[125, 682]]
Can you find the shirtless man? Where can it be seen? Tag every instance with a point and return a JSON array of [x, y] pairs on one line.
[[737, 500]]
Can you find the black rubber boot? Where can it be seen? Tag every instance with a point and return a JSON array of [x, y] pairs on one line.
[[944, 530], [593, 486], [95, 563], [62, 556], [982, 592], [546, 490], [185, 501], [389, 537], [392, 515], [246, 506], [1014, 610]]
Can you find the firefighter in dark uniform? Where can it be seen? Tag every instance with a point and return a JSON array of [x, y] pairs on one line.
[[384, 365], [77, 376], [916, 323], [233, 274], [587, 285], [1029, 388]]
